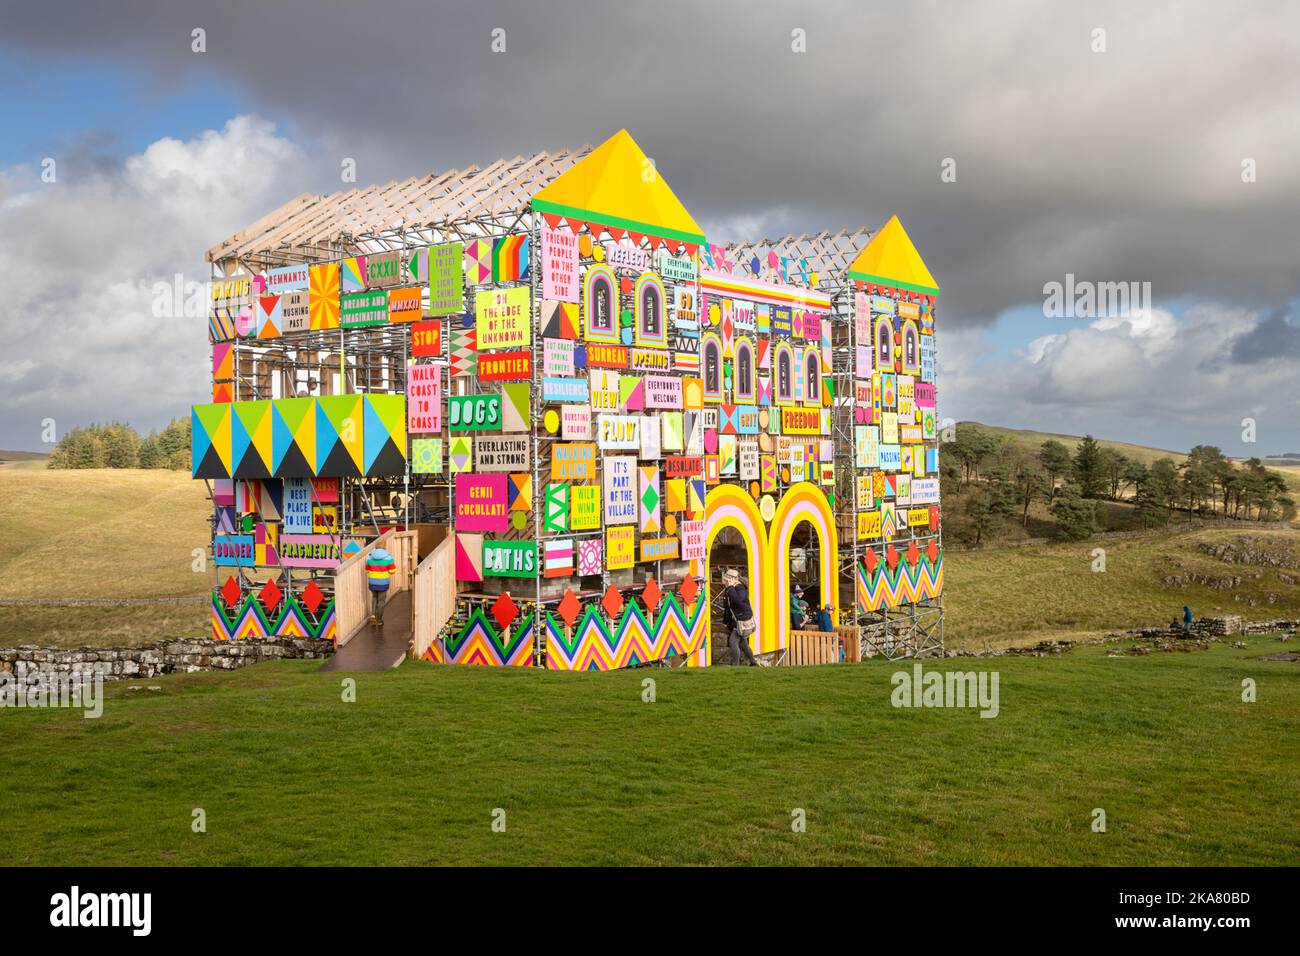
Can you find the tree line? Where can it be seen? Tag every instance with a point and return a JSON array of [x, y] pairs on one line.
[[1001, 479], [116, 445]]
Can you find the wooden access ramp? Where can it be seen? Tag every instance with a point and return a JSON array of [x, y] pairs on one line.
[[380, 648]]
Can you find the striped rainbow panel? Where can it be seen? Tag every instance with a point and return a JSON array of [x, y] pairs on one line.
[[595, 646], [250, 622], [904, 585]]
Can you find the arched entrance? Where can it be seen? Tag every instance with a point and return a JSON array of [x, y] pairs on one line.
[[732, 521], [802, 504]]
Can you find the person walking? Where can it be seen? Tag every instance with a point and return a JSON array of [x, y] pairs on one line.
[[380, 567], [738, 615], [1187, 618]]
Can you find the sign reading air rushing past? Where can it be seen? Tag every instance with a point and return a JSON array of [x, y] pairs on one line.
[[474, 413]]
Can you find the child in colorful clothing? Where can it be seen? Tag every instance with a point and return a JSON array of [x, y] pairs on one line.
[[380, 566]]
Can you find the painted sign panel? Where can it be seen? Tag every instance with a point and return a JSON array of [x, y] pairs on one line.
[[662, 391], [584, 507], [423, 399], [575, 422], [383, 270], [564, 389], [467, 413], [693, 540], [505, 366], [297, 506], [509, 559], [678, 269], [309, 550], [502, 452], [627, 256], [600, 355], [233, 550], [605, 394], [426, 339], [446, 279], [405, 305], [620, 548], [362, 309], [573, 462], [557, 357], [618, 432], [559, 264], [620, 482], [482, 503], [801, 421], [502, 317], [659, 549], [286, 279]]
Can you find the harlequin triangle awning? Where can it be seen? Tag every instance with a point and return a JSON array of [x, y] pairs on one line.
[[891, 259], [609, 187]]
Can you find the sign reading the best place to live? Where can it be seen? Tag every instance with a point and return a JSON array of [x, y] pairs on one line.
[[503, 317]]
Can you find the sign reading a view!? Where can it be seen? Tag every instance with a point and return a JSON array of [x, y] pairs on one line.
[[474, 413], [482, 502], [309, 551], [619, 432], [606, 356], [426, 339], [501, 453], [683, 466], [505, 366], [801, 421], [361, 309], [503, 317], [510, 559], [573, 462]]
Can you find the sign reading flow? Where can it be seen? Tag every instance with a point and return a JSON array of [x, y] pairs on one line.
[[470, 413]]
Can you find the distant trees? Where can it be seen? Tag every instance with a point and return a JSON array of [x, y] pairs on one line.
[[116, 445], [1054, 458], [1089, 468]]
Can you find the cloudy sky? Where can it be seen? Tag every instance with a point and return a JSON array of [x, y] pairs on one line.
[[1152, 142]]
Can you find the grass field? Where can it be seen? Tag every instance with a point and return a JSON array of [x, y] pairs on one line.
[[710, 773], [103, 534], [1007, 596]]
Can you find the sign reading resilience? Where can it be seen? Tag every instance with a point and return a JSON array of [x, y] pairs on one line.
[[474, 413]]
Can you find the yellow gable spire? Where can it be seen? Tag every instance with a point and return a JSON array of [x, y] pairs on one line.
[[609, 186], [891, 259]]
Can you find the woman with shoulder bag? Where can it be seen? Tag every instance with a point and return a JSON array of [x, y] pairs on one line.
[[739, 617]]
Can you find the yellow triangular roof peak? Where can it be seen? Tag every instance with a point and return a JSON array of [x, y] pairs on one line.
[[891, 259], [609, 186]]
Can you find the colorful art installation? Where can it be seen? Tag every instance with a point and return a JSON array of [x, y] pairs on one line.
[[689, 397]]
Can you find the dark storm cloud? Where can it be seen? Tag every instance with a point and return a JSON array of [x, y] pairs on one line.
[[1276, 337], [1117, 165]]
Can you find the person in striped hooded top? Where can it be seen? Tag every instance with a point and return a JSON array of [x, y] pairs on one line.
[[380, 567]]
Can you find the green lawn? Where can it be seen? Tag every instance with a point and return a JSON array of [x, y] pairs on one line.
[[587, 773]]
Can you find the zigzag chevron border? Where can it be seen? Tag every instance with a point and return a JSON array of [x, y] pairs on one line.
[[905, 585], [250, 622], [478, 643], [594, 646]]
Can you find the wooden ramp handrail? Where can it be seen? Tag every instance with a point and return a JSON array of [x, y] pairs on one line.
[[434, 593], [351, 589]]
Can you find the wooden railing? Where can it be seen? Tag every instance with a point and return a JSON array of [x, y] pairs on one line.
[[434, 595], [352, 591], [812, 647]]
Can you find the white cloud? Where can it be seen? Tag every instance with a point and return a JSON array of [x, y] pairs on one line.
[[83, 257]]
